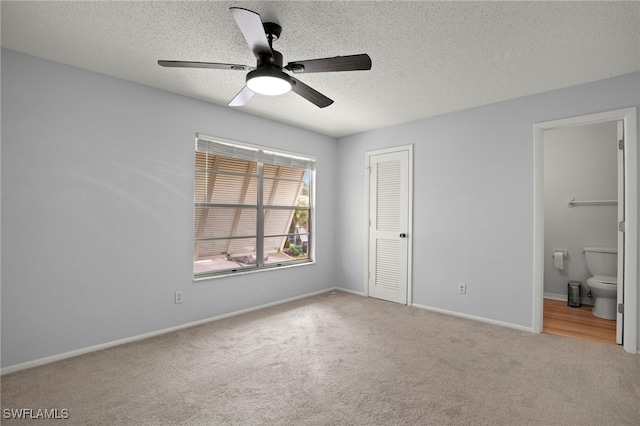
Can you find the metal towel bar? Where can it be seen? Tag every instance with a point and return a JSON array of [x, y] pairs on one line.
[[573, 203]]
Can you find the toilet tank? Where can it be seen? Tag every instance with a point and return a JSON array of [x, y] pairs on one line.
[[601, 261]]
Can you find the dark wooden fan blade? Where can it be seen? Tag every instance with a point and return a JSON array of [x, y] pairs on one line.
[[338, 63], [252, 29], [310, 94], [213, 65], [242, 97]]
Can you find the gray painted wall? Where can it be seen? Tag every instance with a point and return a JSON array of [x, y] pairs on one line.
[[97, 213], [579, 162], [97, 182], [473, 198]]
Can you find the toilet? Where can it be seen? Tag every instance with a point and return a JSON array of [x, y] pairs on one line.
[[602, 264]]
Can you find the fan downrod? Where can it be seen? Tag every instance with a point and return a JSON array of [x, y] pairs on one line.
[[272, 30]]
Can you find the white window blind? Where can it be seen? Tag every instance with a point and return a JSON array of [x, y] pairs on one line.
[[215, 146], [253, 207]]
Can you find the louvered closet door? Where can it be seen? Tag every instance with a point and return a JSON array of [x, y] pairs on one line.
[[388, 233]]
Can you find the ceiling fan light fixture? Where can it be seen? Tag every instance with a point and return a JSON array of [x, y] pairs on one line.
[[269, 76], [269, 81]]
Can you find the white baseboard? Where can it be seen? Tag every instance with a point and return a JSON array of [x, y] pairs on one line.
[[563, 297], [452, 313], [78, 352], [475, 318], [346, 290], [555, 296]]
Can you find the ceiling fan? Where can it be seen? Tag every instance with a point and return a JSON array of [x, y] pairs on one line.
[[269, 76]]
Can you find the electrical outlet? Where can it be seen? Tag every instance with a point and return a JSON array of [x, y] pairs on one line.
[[462, 288], [178, 297]]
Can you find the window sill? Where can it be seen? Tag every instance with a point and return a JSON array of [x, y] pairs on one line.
[[251, 271]]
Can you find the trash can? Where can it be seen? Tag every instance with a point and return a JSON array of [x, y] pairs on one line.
[[573, 294]]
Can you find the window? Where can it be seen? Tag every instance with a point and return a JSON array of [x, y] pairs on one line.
[[253, 208]]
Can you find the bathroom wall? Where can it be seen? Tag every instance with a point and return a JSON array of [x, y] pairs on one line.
[[579, 162]]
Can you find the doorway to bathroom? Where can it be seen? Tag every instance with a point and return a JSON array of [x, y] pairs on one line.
[[586, 196], [580, 210]]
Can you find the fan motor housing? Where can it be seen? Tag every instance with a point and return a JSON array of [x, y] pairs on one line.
[[276, 60]]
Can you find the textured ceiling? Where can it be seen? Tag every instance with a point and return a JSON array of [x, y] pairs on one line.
[[429, 58]]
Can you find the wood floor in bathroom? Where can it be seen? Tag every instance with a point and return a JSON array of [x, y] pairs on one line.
[[577, 322]]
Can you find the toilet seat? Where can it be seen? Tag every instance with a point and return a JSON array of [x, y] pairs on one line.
[[603, 279]]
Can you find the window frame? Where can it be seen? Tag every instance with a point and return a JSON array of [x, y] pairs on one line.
[[262, 155]]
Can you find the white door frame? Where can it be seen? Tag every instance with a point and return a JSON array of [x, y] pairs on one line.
[[629, 118], [368, 156]]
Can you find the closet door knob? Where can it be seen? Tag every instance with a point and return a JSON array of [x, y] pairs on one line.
[[403, 235]]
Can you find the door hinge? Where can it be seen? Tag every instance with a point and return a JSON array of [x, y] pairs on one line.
[[621, 308], [621, 144], [621, 226]]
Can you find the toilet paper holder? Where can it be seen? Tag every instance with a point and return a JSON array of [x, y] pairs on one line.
[[565, 253]]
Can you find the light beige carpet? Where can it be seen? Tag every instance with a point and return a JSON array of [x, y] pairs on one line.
[[338, 359]]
